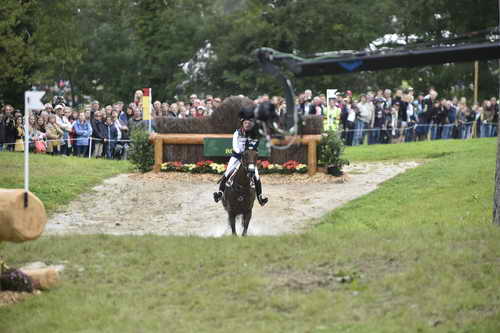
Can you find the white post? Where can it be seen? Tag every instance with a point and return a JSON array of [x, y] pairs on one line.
[[32, 100], [26, 149], [90, 147]]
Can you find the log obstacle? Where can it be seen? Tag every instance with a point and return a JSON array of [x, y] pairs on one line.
[[43, 278], [197, 139], [17, 222]]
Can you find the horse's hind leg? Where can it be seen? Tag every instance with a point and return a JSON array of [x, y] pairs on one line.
[[232, 223], [246, 222]]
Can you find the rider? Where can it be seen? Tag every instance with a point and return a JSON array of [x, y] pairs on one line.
[[243, 138]]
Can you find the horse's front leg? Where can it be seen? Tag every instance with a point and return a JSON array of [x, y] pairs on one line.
[[246, 222], [232, 223]]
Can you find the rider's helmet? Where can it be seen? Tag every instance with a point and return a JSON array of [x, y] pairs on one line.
[[247, 113]]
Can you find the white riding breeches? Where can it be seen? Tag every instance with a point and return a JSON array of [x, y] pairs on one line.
[[234, 163]]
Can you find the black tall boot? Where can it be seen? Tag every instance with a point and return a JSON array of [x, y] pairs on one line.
[[222, 187], [258, 191]]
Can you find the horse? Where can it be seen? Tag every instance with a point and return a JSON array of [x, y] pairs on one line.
[[239, 195]]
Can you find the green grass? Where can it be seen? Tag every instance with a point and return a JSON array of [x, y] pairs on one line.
[[421, 252], [57, 180]]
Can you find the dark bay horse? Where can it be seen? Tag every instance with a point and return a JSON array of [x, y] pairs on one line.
[[239, 194]]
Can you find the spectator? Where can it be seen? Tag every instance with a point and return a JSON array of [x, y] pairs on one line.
[[64, 123], [138, 99], [210, 107], [388, 98], [363, 119], [476, 125], [83, 131], [331, 120], [116, 122], [19, 145], [31, 129], [392, 124], [301, 104], [107, 112], [216, 103], [183, 112], [433, 115], [487, 116], [94, 107], [110, 137], [451, 117], [494, 124], [136, 122], [2, 130], [164, 108], [39, 136], [172, 111], [400, 101], [118, 107], [199, 112], [409, 134], [350, 123], [377, 121], [465, 119], [316, 107], [98, 128], [10, 127], [54, 136]]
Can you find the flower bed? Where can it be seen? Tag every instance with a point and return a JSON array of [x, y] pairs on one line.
[[211, 167]]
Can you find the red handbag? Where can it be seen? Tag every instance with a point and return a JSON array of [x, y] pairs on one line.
[[40, 146]]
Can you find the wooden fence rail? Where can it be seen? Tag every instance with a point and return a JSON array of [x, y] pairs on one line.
[[197, 139]]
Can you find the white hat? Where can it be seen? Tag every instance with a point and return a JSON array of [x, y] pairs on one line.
[[58, 106]]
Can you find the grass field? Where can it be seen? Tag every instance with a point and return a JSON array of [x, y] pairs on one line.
[[57, 180], [417, 255]]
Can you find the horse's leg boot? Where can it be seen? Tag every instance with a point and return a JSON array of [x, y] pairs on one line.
[[222, 187], [258, 191]]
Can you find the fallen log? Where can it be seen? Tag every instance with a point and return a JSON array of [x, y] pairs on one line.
[[19, 223], [43, 278]]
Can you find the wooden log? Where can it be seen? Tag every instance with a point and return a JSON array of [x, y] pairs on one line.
[[43, 278], [17, 223], [312, 159], [158, 155]]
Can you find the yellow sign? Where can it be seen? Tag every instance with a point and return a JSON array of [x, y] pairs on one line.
[[146, 104]]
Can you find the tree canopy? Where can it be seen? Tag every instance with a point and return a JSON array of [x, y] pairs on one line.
[[108, 49]]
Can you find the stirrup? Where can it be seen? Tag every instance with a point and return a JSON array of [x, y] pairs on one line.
[[217, 196], [262, 201]]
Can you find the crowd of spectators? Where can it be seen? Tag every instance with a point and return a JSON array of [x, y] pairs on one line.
[[372, 117], [387, 117]]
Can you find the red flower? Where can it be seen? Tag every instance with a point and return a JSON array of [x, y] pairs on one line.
[[265, 164]]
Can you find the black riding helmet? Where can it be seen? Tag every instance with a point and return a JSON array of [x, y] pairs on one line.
[[247, 113]]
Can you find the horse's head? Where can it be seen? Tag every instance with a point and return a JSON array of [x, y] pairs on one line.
[[249, 161]]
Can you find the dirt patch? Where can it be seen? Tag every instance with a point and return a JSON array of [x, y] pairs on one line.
[[182, 204]]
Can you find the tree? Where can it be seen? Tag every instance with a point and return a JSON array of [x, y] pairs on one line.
[[16, 49], [59, 42]]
